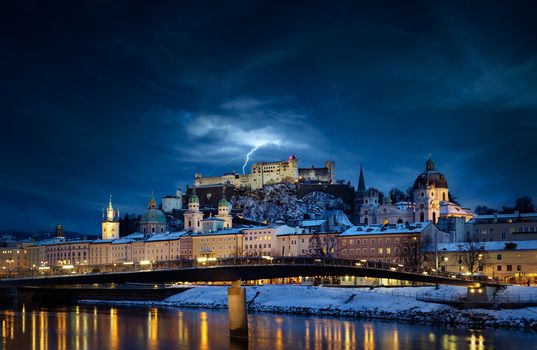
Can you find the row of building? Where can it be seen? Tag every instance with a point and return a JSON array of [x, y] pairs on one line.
[[511, 254]]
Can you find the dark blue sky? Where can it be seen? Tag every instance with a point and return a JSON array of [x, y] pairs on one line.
[[128, 98]]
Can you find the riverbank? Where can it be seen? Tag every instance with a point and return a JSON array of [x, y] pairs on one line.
[[381, 303]]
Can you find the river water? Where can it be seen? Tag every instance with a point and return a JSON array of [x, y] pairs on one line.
[[105, 327]]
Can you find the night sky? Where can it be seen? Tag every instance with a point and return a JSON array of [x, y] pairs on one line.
[[128, 98]]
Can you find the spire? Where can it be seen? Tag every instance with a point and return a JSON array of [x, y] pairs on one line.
[[110, 213], [152, 203], [361, 181], [429, 165]]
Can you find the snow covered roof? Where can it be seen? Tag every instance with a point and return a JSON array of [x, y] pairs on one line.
[[99, 241], [59, 241], [136, 236], [167, 236], [449, 208], [312, 223], [503, 217], [230, 231], [212, 218], [492, 246], [416, 227]]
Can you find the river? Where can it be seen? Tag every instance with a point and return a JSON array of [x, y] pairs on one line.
[[104, 327]]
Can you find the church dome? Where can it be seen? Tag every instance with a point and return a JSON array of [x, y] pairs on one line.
[[193, 199], [223, 203], [430, 178], [152, 216]]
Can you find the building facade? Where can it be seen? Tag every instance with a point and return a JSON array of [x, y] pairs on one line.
[[502, 227]]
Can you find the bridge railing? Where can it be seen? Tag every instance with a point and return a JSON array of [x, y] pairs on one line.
[[207, 262]]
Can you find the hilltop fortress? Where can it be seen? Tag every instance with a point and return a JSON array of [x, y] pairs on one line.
[[266, 173]]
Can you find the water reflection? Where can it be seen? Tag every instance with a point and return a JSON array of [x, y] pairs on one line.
[[89, 327]]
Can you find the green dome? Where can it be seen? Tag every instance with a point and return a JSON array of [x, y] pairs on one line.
[[152, 216], [194, 199], [223, 203]]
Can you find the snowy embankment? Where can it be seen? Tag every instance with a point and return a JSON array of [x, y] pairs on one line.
[[381, 303]]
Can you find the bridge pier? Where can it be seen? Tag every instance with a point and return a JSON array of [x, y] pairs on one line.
[[238, 319]]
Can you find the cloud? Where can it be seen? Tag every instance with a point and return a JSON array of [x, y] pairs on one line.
[[241, 125]]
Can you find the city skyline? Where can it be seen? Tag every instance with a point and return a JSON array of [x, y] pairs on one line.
[[152, 96]]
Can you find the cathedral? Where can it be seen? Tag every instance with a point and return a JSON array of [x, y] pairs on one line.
[[431, 201]]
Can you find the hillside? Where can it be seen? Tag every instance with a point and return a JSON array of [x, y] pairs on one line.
[[279, 202]]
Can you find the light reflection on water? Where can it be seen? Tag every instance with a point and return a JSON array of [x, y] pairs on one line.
[[89, 327]]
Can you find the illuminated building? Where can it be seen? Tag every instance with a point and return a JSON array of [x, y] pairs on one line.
[[265, 173], [110, 224], [153, 220]]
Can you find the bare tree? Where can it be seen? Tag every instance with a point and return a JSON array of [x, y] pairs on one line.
[[416, 252], [323, 245], [473, 256]]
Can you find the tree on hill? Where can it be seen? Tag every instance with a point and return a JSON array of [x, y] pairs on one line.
[[410, 194], [128, 224], [524, 205], [484, 210], [396, 195]]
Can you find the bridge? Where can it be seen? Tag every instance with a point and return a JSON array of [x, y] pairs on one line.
[[240, 269], [245, 269]]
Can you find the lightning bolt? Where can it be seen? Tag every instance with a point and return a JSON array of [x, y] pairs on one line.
[[249, 154]]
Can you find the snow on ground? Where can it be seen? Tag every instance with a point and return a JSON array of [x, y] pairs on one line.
[[379, 303]]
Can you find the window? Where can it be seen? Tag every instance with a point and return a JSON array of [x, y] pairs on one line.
[[499, 268], [491, 231], [503, 235], [509, 267], [519, 267], [498, 257]]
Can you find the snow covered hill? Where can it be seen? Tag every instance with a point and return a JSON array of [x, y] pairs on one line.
[[279, 202]]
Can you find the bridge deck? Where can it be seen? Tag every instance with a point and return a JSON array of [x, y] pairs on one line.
[[231, 269]]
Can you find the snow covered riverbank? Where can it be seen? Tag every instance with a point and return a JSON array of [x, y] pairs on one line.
[[395, 304]]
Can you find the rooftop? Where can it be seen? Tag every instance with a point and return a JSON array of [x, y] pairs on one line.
[[416, 227]]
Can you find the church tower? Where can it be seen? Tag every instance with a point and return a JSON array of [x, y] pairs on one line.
[[359, 197], [110, 224], [193, 216], [224, 210], [430, 189]]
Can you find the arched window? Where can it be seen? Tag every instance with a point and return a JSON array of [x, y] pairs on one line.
[[399, 221], [153, 230], [444, 196], [144, 230], [422, 217], [366, 221]]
